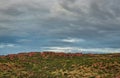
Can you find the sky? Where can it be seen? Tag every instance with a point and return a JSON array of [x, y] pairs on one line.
[[60, 26]]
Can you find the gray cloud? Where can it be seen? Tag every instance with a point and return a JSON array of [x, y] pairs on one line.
[[96, 21]]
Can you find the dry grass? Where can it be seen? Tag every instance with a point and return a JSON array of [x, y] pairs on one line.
[[36, 66]]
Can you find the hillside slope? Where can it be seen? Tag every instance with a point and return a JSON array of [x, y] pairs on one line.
[[59, 65]]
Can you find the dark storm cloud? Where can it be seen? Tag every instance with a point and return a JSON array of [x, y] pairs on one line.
[[12, 11]]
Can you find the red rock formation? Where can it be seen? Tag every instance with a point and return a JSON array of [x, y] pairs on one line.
[[11, 56], [61, 54], [32, 54], [42, 54]]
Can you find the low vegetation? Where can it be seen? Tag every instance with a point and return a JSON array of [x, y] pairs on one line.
[[59, 65]]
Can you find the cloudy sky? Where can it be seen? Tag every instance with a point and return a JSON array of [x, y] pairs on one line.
[[59, 25]]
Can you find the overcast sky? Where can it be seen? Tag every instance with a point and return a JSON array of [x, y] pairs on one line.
[[59, 25]]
